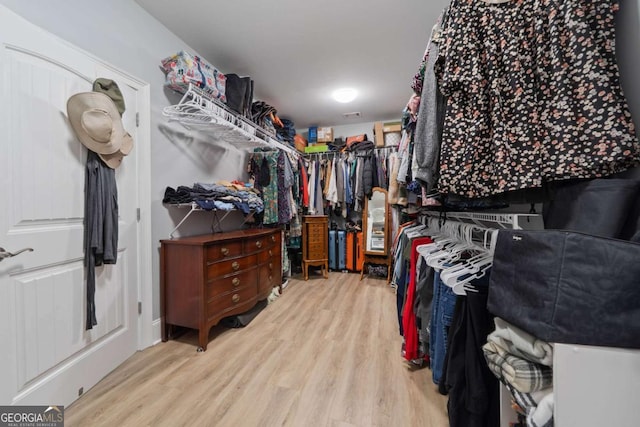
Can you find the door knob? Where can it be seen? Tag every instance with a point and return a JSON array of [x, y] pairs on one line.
[[6, 254]]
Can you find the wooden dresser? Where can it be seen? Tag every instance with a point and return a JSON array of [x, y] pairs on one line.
[[208, 277], [315, 243]]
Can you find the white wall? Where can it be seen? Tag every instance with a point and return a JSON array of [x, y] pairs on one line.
[[123, 34]]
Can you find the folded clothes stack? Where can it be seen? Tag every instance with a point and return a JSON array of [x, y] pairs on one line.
[[523, 364], [223, 195]]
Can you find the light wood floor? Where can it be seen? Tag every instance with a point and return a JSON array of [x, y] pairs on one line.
[[326, 353]]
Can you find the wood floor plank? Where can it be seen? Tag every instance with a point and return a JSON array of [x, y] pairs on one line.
[[326, 353]]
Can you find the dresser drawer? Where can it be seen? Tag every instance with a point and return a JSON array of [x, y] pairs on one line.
[[221, 285], [222, 268], [269, 278], [316, 253], [223, 250], [255, 244], [269, 254], [227, 302], [316, 241]]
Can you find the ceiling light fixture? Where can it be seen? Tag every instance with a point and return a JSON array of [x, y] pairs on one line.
[[344, 95]]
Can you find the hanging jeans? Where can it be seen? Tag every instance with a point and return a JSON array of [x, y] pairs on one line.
[[444, 304]]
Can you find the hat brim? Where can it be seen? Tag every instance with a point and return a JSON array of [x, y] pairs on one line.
[[85, 101], [115, 159]]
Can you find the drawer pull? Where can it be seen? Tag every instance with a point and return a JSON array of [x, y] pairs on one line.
[[235, 266], [235, 298], [270, 266], [273, 238], [270, 252], [235, 281], [270, 279], [259, 243], [224, 251]]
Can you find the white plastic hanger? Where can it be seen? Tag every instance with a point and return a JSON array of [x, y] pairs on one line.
[[463, 285], [472, 265]]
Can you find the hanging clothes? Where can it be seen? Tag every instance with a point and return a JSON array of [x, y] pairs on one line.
[[409, 319], [474, 392], [533, 95], [304, 183], [430, 121], [285, 182], [100, 225], [268, 192]]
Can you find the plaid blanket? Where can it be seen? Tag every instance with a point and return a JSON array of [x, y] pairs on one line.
[[520, 343], [537, 407], [523, 375]]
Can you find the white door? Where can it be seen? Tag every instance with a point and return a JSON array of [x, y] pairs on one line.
[[46, 355]]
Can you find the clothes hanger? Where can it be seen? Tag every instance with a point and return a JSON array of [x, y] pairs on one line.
[[462, 267], [452, 253], [465, 284], [443, 245]]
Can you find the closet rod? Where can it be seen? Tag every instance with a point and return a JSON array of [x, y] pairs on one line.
[[504, 220], [333, 153]]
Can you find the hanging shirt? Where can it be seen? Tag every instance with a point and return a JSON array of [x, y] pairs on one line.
[[311, 189], [319, 201], [100, 225], [332, 193]]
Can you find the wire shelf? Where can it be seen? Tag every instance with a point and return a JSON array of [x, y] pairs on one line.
[[199, 112]]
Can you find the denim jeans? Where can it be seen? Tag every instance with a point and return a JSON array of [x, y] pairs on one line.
[[444, 304]]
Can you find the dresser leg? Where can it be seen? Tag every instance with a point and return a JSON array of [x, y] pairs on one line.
[[305, 267], [203, 339]]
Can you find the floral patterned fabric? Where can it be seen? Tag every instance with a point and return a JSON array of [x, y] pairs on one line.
[[533, 95], [183, 68]]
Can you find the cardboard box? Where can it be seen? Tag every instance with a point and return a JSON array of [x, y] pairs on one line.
[[325, 134], [378, 134], [381, 129], [392, 127]]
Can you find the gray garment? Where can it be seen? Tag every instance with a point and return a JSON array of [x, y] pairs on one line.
[[319, 200], [289, 177], [429, 124], [100, 225], [405, 160], [359, 202], [340, 180], [423, 302]]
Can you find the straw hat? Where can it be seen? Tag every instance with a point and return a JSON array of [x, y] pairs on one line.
[[96, 122]]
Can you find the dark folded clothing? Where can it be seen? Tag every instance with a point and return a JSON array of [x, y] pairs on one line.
[[180, 195]]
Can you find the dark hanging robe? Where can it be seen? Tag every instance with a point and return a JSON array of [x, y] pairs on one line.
[[100, 225]]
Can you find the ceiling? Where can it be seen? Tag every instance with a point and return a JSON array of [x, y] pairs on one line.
[[298, 52]]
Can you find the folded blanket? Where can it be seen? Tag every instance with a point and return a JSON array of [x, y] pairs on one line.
[[520, 343], [523, 375], [537, 407]]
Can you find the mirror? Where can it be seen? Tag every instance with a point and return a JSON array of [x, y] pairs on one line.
[[375, 223]]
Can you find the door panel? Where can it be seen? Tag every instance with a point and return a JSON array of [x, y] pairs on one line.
[[47, 355]]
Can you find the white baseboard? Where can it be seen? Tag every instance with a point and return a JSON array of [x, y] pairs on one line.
[[156, 336]]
